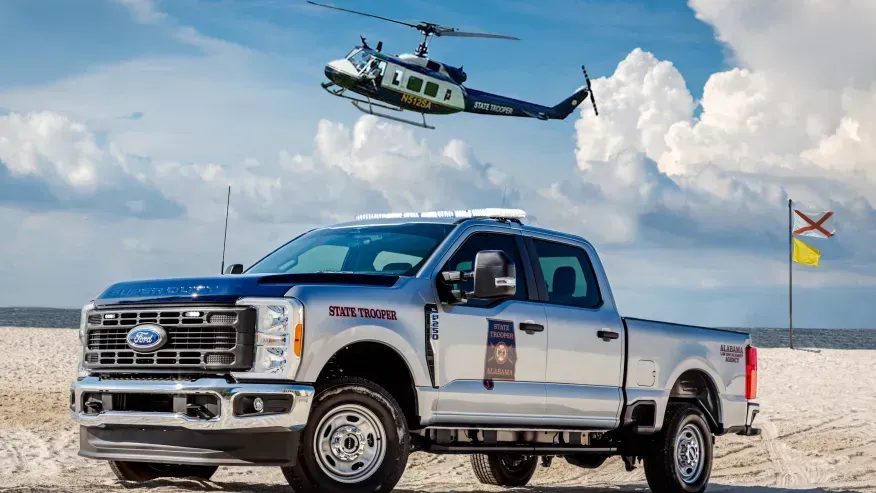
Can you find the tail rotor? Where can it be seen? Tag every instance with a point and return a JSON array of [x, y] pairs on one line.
[[590, 90]]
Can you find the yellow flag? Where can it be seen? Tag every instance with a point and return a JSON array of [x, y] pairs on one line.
[[805, 254]]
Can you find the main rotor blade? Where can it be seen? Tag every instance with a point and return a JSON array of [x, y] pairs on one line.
[[463, 34], [363, 13]]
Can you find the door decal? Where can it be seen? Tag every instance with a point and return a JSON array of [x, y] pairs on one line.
[[501, 354]]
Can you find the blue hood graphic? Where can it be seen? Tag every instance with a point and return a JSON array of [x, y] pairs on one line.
[[225, 289]]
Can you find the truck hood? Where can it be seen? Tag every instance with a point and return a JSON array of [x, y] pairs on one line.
[[227, 288]]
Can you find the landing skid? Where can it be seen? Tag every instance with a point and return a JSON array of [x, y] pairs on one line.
[[370, 109]]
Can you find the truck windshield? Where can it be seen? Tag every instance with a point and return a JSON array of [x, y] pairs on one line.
[[399, 249]]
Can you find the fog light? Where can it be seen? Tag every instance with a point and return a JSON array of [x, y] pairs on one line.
[[258, 404]]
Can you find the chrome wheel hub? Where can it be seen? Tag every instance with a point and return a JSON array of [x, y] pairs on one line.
[[688, 453], [349, 443]]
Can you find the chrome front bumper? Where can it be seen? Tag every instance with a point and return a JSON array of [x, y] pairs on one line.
[[226, 393]]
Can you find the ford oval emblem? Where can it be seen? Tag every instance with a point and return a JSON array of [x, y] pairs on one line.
[[146, 337]]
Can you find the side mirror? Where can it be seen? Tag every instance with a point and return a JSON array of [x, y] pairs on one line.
[[494, 275], [234, 269]]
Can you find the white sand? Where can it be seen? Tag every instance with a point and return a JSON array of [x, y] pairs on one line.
[[818, 417]]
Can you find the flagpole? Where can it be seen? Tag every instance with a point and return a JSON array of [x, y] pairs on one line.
[[790, 274]]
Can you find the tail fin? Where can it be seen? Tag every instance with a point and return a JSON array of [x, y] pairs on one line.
[[568, 105]]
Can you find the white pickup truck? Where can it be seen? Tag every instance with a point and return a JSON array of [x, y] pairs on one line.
[[351, 346]]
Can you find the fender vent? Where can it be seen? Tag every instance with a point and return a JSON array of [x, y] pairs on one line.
[[431, 340]]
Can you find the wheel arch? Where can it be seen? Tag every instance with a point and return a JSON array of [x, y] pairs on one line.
[[392, 372], [324, 348], [697, 385]]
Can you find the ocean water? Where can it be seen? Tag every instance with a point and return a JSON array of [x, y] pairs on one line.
[[761, 337]]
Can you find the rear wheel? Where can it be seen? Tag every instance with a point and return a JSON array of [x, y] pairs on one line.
[[680, 458], [504, 469], [356, 440], [147, 471]]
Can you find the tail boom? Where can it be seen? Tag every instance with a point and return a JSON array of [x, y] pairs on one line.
[[492, 104]]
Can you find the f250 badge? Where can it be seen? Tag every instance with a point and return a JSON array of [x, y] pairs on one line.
[[501, 355], [433, 326]]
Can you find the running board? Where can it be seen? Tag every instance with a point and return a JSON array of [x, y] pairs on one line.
[[536, 449], [463, 440], [371, 111]]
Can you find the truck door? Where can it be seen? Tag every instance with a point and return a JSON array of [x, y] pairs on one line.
[[489, 370], [585, 338]]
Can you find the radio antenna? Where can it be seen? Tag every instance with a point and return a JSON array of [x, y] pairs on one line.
[[225, 236]]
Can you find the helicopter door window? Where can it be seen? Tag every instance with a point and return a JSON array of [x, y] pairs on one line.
[[381, 69], [431, 90], [397, 77], [415, 84]]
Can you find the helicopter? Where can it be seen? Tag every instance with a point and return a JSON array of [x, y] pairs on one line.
[[416, 83]]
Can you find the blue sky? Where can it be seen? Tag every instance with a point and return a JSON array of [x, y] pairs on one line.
[[124, 120], [297, 39]]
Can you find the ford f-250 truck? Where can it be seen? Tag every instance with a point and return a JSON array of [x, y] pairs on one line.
[[351, 346]]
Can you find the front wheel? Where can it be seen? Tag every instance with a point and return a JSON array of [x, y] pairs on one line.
[[680, 458], [504, 469], [356, 440], [147, 471]]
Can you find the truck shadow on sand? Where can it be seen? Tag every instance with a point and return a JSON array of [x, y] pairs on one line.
[[237, 487]]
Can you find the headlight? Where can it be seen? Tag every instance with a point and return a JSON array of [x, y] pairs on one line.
[[279, 338], [83, 322]]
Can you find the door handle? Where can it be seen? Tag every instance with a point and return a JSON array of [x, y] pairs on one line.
[[607, 335], [531, 328]]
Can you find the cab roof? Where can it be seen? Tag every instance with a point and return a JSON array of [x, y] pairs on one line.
[[511, 217]]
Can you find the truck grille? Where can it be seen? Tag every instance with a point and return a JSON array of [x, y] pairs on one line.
[[198, 338], [178, 337]]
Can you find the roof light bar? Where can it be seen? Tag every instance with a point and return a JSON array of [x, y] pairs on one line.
[[466, 213]]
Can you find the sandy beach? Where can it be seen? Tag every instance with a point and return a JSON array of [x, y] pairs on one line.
[[818, 420]]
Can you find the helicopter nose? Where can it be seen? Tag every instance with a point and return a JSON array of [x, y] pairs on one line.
[[341, 72], [331, 73]]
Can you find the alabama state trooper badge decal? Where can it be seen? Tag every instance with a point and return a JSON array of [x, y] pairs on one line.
[[501, 355]]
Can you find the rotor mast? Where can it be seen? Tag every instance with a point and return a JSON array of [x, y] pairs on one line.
[[423, 47]]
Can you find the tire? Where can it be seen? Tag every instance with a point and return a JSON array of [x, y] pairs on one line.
[[146, 471], [504, 469], [679, 459], [356, 440]]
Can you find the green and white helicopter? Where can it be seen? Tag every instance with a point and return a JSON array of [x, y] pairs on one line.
[[416, 83]]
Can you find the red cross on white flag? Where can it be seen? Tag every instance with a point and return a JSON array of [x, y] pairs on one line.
[[817, 224]]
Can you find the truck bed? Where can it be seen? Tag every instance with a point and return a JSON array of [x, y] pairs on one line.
[[659, 353]]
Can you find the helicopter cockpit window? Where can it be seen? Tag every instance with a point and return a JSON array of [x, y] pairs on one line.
[[360, 59]]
